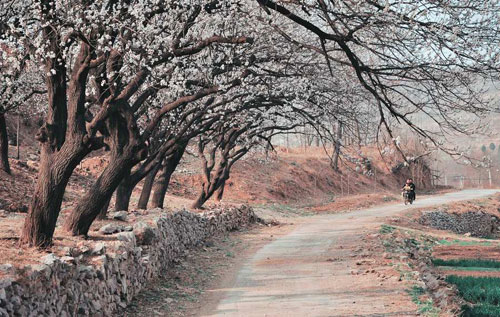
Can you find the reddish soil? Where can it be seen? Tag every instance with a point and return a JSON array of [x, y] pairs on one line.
[[469, 273], [489, 205], [448, 252], [297, 177]]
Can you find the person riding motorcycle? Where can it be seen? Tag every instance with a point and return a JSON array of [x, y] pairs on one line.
[[410, 187]]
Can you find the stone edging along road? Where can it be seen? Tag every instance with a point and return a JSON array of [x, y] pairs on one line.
[[101, 281], [307, 272]]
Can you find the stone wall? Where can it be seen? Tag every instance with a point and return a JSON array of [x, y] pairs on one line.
[[101, 280], [475, 223]]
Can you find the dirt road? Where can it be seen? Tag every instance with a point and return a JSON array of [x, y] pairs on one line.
[[309, 271]]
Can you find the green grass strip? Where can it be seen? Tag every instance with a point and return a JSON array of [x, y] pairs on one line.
[[465, 242], [477, 290], [478, 263]]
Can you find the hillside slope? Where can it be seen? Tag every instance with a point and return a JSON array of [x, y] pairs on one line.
[[290, 176]]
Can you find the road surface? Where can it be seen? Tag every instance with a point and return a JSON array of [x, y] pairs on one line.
[[308, 272]]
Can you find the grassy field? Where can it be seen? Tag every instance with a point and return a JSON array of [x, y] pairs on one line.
[[482, 292]]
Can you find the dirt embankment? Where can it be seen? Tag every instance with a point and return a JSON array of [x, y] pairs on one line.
[[295, 177], [302, 178]]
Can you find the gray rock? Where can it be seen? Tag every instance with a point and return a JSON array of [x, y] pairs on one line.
[[68, 251], [110, 228], [144, 233], [84, 249], [41, 269], [49, 259], [68, 259], [119, 215], [127, 237], [99, 248], [96, 305], [84, 269], [473, 223], [7, 268], [15, 300], [3, 312]]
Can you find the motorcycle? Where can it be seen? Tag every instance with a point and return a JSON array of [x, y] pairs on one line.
[[408, 197]]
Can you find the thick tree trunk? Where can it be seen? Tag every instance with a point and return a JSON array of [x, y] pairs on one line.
[[146, 188], [53, 176], [161, 185], [126, 151], [4, 145], [104, 210], [123, 194], [91, 205]]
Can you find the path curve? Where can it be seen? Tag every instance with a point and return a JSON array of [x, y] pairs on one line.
[[307, 272]]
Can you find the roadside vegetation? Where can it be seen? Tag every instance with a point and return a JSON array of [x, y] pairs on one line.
[[424, 303], [468, 263], [483, 294]]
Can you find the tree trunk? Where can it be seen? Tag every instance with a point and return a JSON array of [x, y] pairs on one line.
[[146, 188], [104, 210], [200, 201], [126, 187], [336, 149], [161, 185], [91, 205], [126, 151], [53, 176], [4, 145], [208, 190], [217, 181], [60, 153], [220, 192], [18, 156], [358, 135], [123, 194]]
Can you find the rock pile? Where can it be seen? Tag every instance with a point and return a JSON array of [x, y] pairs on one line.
[[475, 223], [106, 278]]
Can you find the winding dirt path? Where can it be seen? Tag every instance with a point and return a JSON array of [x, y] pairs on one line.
[[308, 272]]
